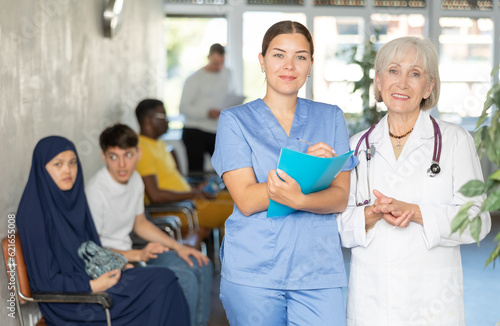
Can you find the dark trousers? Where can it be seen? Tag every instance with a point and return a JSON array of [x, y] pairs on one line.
[[197, 143]]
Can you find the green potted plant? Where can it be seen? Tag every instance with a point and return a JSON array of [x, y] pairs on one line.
[[485, 143], [370, 114]]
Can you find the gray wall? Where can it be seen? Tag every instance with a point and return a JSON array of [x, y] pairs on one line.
[[60, 75]]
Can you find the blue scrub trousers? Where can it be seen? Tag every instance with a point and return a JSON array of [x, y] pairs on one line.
[[254, 306], [196, 283]]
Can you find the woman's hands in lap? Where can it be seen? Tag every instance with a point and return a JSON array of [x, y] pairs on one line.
[[105, 281]]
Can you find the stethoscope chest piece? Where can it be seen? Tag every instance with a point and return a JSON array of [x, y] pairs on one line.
[[433, 170]]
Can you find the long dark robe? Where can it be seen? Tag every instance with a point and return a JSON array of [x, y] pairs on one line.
[[52, 224]]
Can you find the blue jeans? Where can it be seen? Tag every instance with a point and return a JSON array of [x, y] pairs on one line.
[[195, 282]]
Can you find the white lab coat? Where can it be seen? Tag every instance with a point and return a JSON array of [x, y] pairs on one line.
[[413, 275]]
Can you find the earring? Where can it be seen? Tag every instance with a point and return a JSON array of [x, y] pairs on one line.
[[262, 70]]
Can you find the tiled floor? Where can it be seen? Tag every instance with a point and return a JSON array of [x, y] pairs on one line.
[[217, 314], [481, 285]]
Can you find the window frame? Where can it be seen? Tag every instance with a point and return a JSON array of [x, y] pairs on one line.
[[233, 10]]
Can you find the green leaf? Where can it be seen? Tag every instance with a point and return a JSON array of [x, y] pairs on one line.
[[457, 222], [495, 175], [495, 253], [496, 99], [490, 185], [461, 218], [472, 188], [493, 126], [478, 139], [484, 115], [464, 226], [496, 136], [491, 151], [495, 70], [475, 228], [488, 102], [494, 95], [492, 203], [494, 90]]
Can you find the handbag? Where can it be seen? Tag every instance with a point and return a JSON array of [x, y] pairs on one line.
[[99, 260]]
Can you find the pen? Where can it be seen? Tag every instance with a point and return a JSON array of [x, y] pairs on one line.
[[310, 144], [305, 141]]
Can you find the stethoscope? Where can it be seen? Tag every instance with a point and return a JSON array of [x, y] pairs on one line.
[[432, 171]]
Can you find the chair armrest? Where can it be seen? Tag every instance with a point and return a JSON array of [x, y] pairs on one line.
[[170, 224], [101, 298], [187, 207], [184, 204], [172, 221]]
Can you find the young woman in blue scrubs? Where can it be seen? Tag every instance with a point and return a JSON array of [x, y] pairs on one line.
[[286, 270]]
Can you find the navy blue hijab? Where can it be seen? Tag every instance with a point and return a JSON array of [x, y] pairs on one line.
[[52, 224]]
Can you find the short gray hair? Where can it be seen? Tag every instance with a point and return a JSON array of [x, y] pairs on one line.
[[425, 53]]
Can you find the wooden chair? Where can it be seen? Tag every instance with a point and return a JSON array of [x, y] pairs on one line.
[[17, 273]]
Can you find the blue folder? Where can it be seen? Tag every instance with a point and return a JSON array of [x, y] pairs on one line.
[[311, 172]]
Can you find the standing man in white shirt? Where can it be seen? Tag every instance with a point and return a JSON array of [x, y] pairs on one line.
[[201, 103], [115, 196]]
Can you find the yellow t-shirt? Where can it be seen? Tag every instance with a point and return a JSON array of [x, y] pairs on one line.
[[156, 160]]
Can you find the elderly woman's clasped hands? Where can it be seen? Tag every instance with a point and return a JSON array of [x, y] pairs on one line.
[[395, 212]]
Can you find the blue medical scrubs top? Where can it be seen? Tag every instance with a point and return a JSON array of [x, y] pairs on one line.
[[294, 252]]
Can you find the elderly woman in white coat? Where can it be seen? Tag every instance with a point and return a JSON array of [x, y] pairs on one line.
[[406, 266]]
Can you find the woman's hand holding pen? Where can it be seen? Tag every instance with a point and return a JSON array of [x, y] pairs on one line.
[[319, 149], [284, 189]]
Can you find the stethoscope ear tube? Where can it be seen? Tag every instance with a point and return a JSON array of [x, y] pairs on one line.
[[365, 137], [436, 155]]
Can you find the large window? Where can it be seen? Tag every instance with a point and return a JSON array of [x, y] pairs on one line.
[[391, 26], [464, 32], [466, 50], [335, 38], [188, 40]]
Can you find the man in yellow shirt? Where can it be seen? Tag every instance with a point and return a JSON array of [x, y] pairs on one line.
[[162, 180]]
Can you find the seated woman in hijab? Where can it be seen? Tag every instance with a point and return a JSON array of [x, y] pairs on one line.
[[53, 220]]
